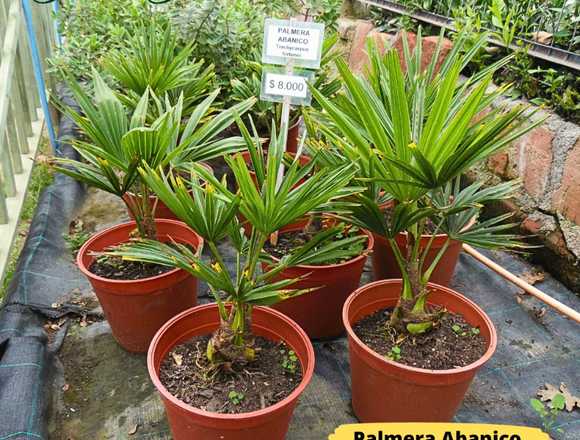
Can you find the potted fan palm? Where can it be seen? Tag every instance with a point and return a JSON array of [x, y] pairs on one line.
[[137, 299], [153, 59], [414, 345], [234, 369]]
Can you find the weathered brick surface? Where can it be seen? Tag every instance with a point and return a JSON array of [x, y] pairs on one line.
[[498, 163], [398, 45], [535, 160], [567, 198], [429, 46], [358, 56]]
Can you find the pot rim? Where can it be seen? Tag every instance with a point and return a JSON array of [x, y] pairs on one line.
[[364, 254], [306, 376], [84, 250], [473, 366]]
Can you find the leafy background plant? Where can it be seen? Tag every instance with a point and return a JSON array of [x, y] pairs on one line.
[[544, 21]]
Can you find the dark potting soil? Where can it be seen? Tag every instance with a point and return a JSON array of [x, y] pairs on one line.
[[291, 240], [452, 344], [187, 374], [114, 268]]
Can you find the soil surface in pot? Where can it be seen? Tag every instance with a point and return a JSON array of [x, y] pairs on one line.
[[451, 344], [188, 375], [117, 269], [291, 240]]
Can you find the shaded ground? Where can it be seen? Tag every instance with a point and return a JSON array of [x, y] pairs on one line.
[[103, 392]]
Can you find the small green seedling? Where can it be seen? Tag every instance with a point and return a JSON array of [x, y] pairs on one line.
[[474, 331], [75, 241], [235, 397], [395, 353], [289, 361], [549, 414], [458, 330]]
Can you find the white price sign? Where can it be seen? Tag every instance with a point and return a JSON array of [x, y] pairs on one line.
[[276, 86], [299, 41]]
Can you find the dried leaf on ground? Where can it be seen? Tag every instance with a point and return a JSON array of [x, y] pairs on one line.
[[134, 429], [178, 359], [550, 391]]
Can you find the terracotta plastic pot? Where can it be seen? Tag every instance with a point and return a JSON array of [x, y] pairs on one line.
[[319, 312], [386, 391], [189, 423], [161, 209], [385, 265], [136, 309], [293, 135]]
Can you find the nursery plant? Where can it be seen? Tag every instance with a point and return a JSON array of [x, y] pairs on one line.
[[414, 132], [238, 284], [268, 207], [119, 141], [153, 58], [116, 141]]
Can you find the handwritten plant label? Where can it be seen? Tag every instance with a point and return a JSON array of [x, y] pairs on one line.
[[276, 85], [296, 41]]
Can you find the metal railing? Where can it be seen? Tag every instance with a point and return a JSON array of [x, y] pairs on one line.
[[27, 37]]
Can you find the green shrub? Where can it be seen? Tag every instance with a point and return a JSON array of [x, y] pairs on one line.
[[91, 29]]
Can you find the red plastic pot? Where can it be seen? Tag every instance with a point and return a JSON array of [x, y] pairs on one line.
[[189, 423], [161, 209], [136, 309], [319, 312], [293, 136], [386, 391], [385, 265]]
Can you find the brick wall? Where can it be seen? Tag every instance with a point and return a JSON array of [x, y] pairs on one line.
[[546, 160]]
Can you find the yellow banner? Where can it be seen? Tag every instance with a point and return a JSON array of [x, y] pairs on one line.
[[436, 431]]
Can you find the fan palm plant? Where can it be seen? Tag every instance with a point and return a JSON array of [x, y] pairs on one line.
[[267, 206], [118, 141], [154, 59], [413, 134]]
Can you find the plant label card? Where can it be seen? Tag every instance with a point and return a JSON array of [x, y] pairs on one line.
[[298, 41], [277, 84]]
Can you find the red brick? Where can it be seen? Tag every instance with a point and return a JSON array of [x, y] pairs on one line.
[[398, 46], [567, 198], [498, 163], [358, 56], [535, 160], [531, 226], [429, 46]]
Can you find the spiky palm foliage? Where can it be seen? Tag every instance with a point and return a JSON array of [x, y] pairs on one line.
[[119, 140], [413, 134], [154, 59], [213, 214]]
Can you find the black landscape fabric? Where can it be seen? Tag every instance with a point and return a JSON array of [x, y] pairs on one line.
[[79, 384]]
